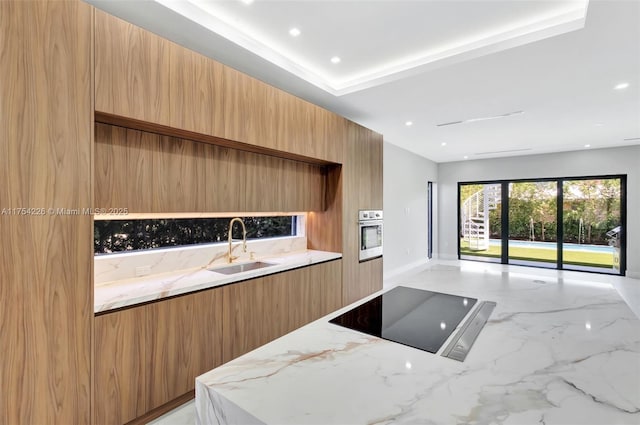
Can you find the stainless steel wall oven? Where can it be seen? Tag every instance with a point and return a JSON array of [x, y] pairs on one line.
[[370, 234]]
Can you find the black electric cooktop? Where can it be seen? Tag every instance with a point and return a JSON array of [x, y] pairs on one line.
[[414, 317]]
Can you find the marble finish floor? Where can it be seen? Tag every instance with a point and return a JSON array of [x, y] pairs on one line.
[[576, 304]]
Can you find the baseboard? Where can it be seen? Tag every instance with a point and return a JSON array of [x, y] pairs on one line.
[[165, 408], [633, 274], [414, 266], [448, 257]]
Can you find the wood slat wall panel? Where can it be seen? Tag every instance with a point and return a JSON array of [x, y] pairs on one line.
[[121, 366], [184, 339], [148, 173], [45, 162], [131, 71]]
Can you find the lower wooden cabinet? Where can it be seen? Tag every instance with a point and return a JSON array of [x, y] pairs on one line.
[[261, 310], [120, 372], [183, 336], [150, 355]]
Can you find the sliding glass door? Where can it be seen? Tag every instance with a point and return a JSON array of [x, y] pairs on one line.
[[592, 224], [573, 223], [481, 222], [532, 223]]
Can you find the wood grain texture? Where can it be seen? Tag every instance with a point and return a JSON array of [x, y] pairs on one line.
[[243, 317], [224, 188], [258, 311], [142, 76], [161, 410], [121, 366], [131, 71], [165, 130], [250, 109], [149, 173], [147, 356], [324, 228], [362, 190], [184, 336], [196, 92], [179, 179], [46, 260], [123, 159]]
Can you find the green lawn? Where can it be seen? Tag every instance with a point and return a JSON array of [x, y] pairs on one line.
[[579, 258]]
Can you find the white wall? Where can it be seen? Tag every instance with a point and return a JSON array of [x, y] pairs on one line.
[[586, 162], [405, 209]]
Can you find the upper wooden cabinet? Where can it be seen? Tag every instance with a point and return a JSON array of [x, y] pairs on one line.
[[131, 71], [196, 91], [142, 76]]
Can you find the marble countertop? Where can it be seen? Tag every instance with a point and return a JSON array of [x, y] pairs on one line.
[[555, 351], [128, 292]]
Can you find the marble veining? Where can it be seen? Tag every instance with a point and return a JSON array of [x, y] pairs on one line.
[[120, 266], [128, 292], [563, 352]]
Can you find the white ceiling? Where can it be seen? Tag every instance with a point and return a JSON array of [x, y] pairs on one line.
[[433, 62]]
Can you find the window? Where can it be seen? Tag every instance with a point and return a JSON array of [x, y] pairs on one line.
[[112, 236], [565, 223]]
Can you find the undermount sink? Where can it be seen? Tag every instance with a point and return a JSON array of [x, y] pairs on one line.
[[239, 268]]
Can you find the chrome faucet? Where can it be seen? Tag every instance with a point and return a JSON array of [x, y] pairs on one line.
[[244, 237]]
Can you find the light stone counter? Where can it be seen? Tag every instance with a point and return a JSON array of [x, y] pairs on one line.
[[555, 351], [128, 292]]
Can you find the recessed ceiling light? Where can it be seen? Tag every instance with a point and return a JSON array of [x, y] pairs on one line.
[[621, 86], [587, 146], [443, 144], [466, 157], [409, 123], [335, 59], [294, 32], [247, 1]]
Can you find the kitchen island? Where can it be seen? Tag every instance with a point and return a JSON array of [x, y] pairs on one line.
[[557, 350]]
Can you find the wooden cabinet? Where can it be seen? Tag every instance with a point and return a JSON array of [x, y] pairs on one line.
[[184, 339], [149, 355], [120, 371], [141, 76], [131, 71], [46, 134], [363, 280], [362, 174], [260, 310], [196, 91]]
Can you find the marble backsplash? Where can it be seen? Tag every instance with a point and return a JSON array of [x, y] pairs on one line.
[[108, 268]]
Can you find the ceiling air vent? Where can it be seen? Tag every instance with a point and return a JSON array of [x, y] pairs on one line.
[[507, 151], [494, 117]]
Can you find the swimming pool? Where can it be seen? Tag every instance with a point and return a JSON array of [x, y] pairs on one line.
[[553, 245]]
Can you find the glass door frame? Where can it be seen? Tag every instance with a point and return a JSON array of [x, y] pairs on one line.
[[504, 258]]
